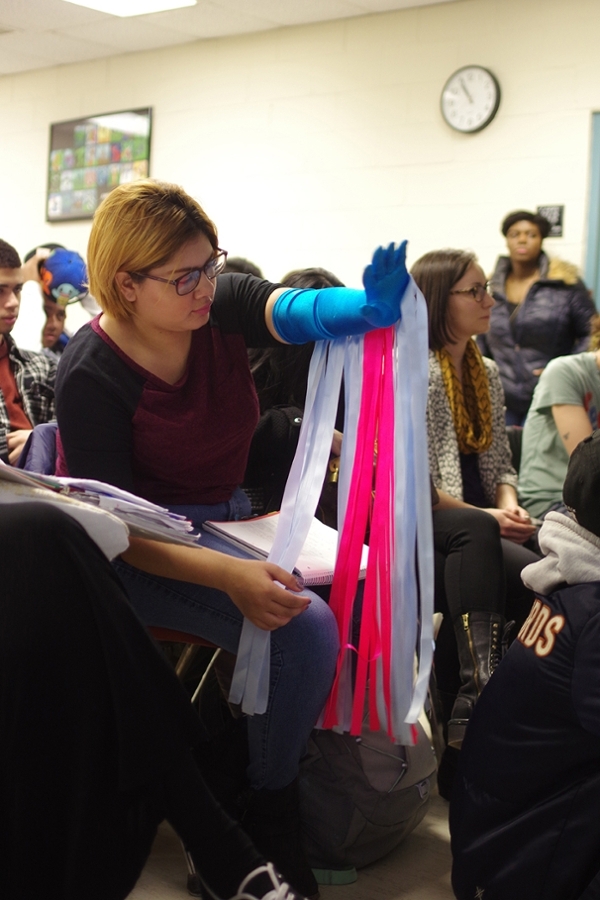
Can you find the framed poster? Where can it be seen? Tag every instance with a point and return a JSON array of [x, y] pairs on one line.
[[89, 157], [555, 215]]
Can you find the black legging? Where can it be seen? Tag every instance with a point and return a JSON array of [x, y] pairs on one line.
[[475, 570], [95, 729]]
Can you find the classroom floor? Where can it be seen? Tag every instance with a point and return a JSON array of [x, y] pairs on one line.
[[418, 870]]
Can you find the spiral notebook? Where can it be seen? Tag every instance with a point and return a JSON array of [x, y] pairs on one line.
[[317, 559]]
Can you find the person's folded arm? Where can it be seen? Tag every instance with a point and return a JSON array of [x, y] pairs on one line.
[[515, 523]]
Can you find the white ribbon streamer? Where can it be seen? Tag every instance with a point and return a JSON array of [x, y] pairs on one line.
[[250, 684], [412, 588]]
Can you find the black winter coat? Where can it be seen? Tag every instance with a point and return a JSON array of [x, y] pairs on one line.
[[553, 320], [524, 812]]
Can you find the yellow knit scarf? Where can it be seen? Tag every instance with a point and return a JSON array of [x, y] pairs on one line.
[[470, 401]]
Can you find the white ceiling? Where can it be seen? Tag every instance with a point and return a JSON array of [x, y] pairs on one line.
[[35, 34]]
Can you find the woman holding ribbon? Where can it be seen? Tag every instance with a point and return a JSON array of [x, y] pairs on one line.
[[155, 396], [470, 465]]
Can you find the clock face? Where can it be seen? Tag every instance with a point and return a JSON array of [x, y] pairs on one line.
[[470, 99]]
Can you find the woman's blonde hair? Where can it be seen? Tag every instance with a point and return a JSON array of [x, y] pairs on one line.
[[136, 227]]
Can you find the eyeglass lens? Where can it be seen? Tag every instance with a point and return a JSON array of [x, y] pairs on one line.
[[188, 282], [477, 292]]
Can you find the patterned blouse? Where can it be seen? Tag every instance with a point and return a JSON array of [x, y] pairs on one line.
[[495, 465]]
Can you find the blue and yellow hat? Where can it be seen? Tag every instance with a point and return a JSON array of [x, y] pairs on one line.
[[64, 277]]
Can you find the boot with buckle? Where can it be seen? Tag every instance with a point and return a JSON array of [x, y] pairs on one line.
[[479, 639]]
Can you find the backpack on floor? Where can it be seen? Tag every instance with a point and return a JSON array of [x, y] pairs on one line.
[[361, 796]]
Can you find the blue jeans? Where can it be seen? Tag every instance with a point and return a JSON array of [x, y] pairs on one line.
[[303, 652]]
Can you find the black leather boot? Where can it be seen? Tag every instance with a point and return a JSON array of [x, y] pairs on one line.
[[479, 641], [272, 820]]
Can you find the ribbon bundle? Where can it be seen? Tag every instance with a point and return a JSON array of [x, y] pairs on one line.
[[384, 477]]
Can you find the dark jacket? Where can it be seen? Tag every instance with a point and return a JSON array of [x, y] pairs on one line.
[[524, 812], [553, 320]]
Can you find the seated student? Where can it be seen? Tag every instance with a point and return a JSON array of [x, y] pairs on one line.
[[242, 266], [281, 377], [470, 464], [58, 278], [165, 372], [63, 279], [524, 815], [97, 734], [54, 337], [26, 378], [565, 409]]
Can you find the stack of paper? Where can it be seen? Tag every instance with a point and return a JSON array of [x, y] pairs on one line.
[[142, 518]]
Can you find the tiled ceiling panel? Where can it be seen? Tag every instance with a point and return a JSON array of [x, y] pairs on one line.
[[35, 34]]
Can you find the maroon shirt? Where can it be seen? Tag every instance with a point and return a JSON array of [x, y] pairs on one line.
[[182, 443]]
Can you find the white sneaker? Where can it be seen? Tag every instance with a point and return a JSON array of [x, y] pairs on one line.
[[279, 890]]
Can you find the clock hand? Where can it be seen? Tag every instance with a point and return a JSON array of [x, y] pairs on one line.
[[464, 87]]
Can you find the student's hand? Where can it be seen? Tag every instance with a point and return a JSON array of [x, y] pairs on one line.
[[385, 281], [30, 269], [16, 441], [252, 587], [515, 524]]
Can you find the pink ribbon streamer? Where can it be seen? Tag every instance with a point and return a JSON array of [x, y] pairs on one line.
[[374, 446], [386, 393]]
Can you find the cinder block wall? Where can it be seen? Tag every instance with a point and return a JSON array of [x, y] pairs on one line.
[[310, 145]]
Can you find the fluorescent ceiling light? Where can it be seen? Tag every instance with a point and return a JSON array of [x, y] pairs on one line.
[[132, 7]]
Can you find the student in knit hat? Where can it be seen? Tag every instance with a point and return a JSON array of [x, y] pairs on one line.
[[524, 814], [62, 278]]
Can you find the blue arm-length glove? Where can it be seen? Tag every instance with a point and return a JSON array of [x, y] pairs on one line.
[[300, 316]]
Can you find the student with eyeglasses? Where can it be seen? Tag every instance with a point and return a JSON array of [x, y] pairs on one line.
[[156, 396], [479, 528]]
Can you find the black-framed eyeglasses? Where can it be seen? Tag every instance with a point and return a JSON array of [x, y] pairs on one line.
[[189, 281], [477, 292]]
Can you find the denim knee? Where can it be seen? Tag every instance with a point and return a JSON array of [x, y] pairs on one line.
[[303, 660]]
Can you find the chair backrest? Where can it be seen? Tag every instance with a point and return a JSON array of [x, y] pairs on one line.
[[514, 434], [39, 453]]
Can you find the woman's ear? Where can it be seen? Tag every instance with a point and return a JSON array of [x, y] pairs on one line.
[[127, 286]]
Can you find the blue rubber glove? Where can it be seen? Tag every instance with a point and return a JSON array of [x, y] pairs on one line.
[[300, 316], [385, 281]]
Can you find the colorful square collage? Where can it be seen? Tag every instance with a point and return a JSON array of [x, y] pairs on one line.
[[89, 159]]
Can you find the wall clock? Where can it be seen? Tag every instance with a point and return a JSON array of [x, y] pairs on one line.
[[470, 99]]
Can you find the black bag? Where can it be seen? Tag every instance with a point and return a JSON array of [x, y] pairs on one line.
[[271, 454], [361, 796]]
